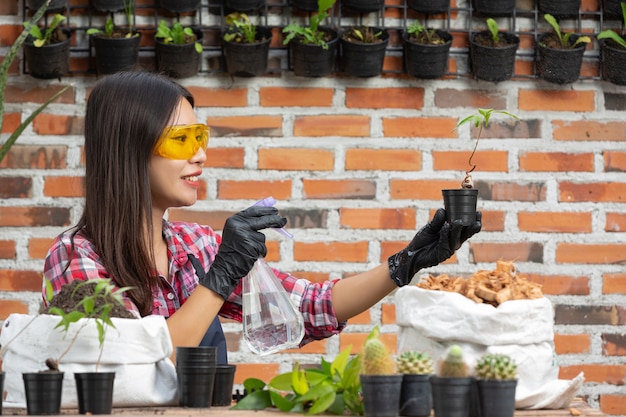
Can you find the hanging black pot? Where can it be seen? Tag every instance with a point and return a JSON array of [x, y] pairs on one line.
[[306, 5], [244, 5], [493, 63], [416, 398], [248, 59], [108, 5], [429, 6], [360, 59], [381, 395], [43, 392], [180, 6], [116, 53], [460, 204], [559, 8], [48, 61], [612, 9], [427, 60], [559, 66], [494, 8], [613, 62], [313, 60], [54, 6], [176, 60], [95, 392], [497, 398], [364, 6], [451, 396]]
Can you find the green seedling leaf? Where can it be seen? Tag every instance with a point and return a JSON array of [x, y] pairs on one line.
[[323, 403], [298, 381], [610, 34], [281, 382], [257, 400], [493, 28], [282, 403]]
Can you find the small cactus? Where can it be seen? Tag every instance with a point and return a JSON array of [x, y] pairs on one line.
[[417, 363], [376, 358], [453, 365], [496, 366]]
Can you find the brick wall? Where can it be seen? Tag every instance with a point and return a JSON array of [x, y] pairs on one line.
[[357, 165]]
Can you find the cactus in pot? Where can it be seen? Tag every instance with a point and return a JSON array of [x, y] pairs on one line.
[[497, 380], [415, 393], [376, 358], [496, 366], [452, 386], [453, 365], [415, 363]]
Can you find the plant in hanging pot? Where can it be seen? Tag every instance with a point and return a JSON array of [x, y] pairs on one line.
[[460, 203], [559, 8], [429, 7], [495, 8], [452, 385], [613, 52], [416, 393], [177, 50], [426, 51], [55, 5], [364, 6], [48, 53], [362, 50], [246, 46], [496, 379], [612, 9], [116, 48], [312, 47], [492, 53], [559, 54], [180, 6], [380, 382]]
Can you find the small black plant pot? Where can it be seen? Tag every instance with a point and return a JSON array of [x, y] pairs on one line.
[[223, 385], [460, 204], [195, 372], [416, 398], [496, 398], [55, 5], [427, 61], [613, 62], [107, 5], [612, 9], [429, 6], [364, 6], [175, 60], [248, 59], [43, 392], [364, 59], [115, 54], [244, 5], [95, 392], [451, 396], [381, 395], [559, 8], [306, 5], [493, 63], [1, 388], [559, 66], [180, 6], [494, 8], [313, 60], [48, 61]]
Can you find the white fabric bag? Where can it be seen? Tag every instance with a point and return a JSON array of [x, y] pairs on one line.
[[431, 321], [137, 350]]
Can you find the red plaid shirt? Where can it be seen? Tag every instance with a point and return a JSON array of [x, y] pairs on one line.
[[313, 299]]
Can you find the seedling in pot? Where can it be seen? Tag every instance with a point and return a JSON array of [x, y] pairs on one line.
[[564, 37], [310, 34], [177, 35], [611, 34], [241, 29], [40, 39], [110, 28], [424, 35], [363, 34]]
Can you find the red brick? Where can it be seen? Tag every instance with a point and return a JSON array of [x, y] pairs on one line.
[[587, 130], [35, 157], [579, 253], [9, 33], [615, 222], [383, 159], [338, 189], [234, 190], [296, 159], [20, 280], [609, 374], [317, 347], [246, 126], [614, 283], [38, 247], [556, 162], [219, 97], [292, 97], [7, 249], [8, 307], [27, 93], [454, 98], [556, 100], [558, 222], [332, 125], [364, 218], [53, 124], [356, 340], [34, 216], [388, 315], [488, 161], [420, 189], [613, 344], [420, 127], [64, 186], [385, 98], [565, 344], [224, 157], [571, 192], [614, 404], [11, 121], [561, 284], [264, 371], [330, 251], [518, 252], [363, 318], [614, 161], [493, 221]]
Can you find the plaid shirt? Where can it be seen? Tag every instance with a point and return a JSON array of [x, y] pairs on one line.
[[313, 299]]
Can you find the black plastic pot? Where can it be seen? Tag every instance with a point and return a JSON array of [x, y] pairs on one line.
[[48, 61], [559, 66], [107, 5], [426, 60], [460, 204], [43, 392], [95, 392], [496, 398], [55, 5], [612, 9], [195, 372], [451, 396], [364, 6], [613, 62], [248, 59], [115, 54], [175, 60], [364, 59], [416, 398], [494, 8], [307, 5], [244, 5], [381, 395], [491, 63], [223, 385], [180, 6], [1, 388], [429, 6], [313, 60], [559, 8]]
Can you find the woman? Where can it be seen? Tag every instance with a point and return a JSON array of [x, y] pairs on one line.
[[144, 152]]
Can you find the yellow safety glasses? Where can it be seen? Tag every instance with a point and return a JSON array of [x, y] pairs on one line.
[[182, 142]]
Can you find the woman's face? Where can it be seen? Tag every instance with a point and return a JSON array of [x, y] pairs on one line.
[[175, 182]]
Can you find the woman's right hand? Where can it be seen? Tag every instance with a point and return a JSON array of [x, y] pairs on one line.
[[242, 244]]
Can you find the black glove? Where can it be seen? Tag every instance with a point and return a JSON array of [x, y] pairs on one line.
[[242, 244], [433, 244]]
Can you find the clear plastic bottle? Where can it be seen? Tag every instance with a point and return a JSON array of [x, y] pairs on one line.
[[271, 322]]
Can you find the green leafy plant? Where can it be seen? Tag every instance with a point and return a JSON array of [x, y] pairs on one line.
[[177, 35], [4, 73], [424, 34], [41, 39], [611, 34], [492, 25], [415, 363], [363, 34], [480, 120], [564, 37], [334, 388], [495, 367], [95, 303], [110, 28], [240, 28], [311, 34]]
